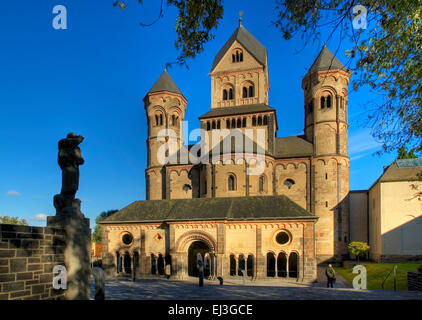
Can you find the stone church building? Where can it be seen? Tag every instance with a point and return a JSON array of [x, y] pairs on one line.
[[277, 224]]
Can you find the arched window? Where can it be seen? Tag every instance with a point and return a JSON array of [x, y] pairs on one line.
[[161, 119], [231, 94], [244, 122], [228, 123], [329, 101], [232, 265], [231, 183], [251, 91], [322, 102], [237, 55], [213, 124], [270, 264], [156, 120], [239, 123], [249, 265], [254, 121], [289, 183], [261, 183], [224, 94], [218, 124], [310, 106], [233, 123], [293, 259], [242, 265], [208, 126], [265, 120], [259, 121], [282, 265], [245, 92]]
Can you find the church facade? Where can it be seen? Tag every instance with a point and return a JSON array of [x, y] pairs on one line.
[[277, 222]]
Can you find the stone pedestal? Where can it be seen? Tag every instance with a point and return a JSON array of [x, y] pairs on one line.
[[77, 252]]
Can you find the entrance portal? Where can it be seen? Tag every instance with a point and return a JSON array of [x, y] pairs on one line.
[[195, 248]]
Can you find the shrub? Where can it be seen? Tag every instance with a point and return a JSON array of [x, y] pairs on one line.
[[358, 249]]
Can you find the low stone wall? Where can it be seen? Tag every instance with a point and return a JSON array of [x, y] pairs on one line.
[[27, 257], [414, 281]]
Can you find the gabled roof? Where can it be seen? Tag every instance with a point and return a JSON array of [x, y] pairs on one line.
[[402, 170], [248, 41], [326, 60], [200, 209], [243, 109], [165, 83]]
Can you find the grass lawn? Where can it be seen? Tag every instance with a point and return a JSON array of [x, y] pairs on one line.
[[376, 273]]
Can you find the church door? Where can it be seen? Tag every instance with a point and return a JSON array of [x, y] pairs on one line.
[[195, 248]]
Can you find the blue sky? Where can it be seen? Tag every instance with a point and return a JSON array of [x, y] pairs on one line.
[[91, 79]]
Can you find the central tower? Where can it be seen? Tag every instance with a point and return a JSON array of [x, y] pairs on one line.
[[239, 73]]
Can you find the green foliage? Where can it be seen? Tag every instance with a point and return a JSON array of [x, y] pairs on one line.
[[195, 23], [402, 153], [358, 249], [12, 220], [96, 235], [386, 57]]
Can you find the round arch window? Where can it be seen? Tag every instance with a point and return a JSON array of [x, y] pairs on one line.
[[282, 237], [127, 238]]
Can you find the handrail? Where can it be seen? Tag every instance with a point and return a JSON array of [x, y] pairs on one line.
[[395, 282]]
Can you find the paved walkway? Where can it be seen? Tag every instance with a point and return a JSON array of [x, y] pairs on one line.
[[161, 289]]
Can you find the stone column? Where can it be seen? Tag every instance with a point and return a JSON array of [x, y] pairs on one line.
[[77, 252]]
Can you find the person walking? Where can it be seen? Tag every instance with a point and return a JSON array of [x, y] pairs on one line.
[[331, 276]]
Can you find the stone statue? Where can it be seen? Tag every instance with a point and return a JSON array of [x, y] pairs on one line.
[[69, 160]]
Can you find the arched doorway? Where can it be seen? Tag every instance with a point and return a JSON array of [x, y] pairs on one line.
[[195, 248], [282, 265], [127, 263], [293, 258]]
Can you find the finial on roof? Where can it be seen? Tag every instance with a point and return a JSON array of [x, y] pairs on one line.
[[240, 18]]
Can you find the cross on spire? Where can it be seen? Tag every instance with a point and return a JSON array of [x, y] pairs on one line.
[[240, 18]]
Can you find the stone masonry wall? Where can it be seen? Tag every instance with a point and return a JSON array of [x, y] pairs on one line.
[[27, 257]]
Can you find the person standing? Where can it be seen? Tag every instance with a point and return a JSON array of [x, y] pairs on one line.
[[200, 266], [331, 276], [167, 271]]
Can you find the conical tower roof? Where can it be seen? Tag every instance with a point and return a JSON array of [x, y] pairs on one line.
[[248, 41], [326, 60], [165, 83]]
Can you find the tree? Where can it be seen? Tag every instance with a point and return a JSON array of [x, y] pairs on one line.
[[402, 153], [194, 26], [12, 220], [385, 55], [358, 249], [96, 235]]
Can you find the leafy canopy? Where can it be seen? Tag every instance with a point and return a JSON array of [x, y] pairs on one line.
[[12, 220], [358, 249], [96, 235]]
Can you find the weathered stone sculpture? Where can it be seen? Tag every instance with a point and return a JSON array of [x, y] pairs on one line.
[[69, 159], [69, 216]]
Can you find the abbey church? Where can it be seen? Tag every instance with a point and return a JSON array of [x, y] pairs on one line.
[[276, 223]]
